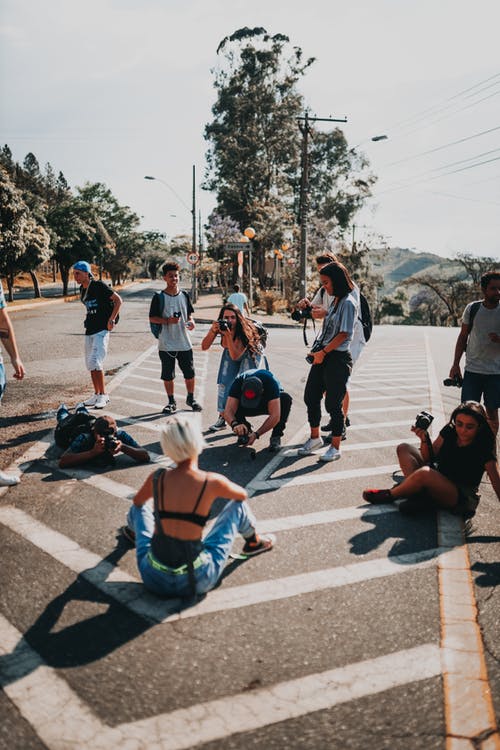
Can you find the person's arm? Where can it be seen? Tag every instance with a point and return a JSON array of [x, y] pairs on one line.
[[494, 476], [232, 404], [330, 347], [274, 410], [459, 350], [423, 436], [210, 336], [144, 493], [117, 303], [9, 341], [227, 489], [70, 459], [138, 454]]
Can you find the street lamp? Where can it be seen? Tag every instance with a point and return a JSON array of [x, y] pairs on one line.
[[249, 235]]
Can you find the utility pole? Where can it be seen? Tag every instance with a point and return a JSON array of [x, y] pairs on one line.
[[193, 244], [304, 192]]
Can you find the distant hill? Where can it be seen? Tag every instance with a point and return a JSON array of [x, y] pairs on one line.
[[396, 264]]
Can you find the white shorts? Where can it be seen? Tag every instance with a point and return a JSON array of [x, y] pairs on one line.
[[96, 347]]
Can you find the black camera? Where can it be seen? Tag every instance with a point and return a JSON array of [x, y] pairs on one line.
[[224, 325], [110, 442], [242, 440], [456, 381], [423, 420], [176, 314], [305, 314]]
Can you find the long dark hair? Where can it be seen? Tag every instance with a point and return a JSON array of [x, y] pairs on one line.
[[244, 330], [485, 436], [339, 275]]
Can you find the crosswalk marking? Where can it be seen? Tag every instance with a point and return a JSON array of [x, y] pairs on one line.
[[104, 576], [65, 721], [327, 476]]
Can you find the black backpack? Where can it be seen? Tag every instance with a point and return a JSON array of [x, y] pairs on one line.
[[71, 426], [262, 331], [366, 317]]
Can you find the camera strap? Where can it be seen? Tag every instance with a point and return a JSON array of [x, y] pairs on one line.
[[432, 458], [304, 326]]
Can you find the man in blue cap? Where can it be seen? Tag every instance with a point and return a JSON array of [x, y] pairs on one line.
[[102, 305]]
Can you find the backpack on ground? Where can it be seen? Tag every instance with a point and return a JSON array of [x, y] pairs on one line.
[[365, 317], [81, 422]]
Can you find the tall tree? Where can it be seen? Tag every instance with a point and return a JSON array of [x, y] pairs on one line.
[[73, 236]]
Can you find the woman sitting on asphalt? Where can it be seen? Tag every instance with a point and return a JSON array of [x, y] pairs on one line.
[[331, 361], [242, 351], [464, 449], [172, 557]]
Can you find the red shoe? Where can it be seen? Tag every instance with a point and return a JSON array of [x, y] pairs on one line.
[[378, 497]]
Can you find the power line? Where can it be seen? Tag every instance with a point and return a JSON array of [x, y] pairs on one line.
[[440, 148], [437, 177]]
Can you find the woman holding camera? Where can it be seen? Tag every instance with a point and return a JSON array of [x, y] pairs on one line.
[[464, 449], [242, 351], [331, 361], [172, 557]]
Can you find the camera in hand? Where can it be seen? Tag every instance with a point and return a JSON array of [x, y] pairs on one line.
[[176, 314], [456, 381], [423, 420], [224, 325], [242, 440], [110, 442], [305, 314]]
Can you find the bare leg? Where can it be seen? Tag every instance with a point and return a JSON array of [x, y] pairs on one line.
[[98, 381], [409, 458], [190, 385], [439, 487], [345, 404], [169, 387]]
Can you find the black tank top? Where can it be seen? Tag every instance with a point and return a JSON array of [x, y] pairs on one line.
[[167, 549]]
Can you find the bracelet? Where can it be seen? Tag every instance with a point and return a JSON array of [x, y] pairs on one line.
[[257, 436], [234, 423]]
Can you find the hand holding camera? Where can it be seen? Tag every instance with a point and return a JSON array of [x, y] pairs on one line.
[[224, 325], [174, 318]]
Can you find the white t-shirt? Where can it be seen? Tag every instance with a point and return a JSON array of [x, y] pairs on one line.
[[358, 337], [482, 355], [239, 299]]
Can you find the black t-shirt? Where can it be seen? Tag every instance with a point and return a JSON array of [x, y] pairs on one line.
[[271, 390], [97, 299], [463, 466]]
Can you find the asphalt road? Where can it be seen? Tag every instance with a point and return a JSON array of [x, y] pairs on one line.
[[358, 630]]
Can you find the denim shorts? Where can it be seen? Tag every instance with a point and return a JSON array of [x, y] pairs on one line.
[[96, 347], [487, 386]]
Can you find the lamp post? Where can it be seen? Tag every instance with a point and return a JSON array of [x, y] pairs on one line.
[[193, 213], [249, 233]]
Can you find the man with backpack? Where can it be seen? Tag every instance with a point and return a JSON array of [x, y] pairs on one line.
[[479, 338], [173, 311], [90, 440], [102, 305]]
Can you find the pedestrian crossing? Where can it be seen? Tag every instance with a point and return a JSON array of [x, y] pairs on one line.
[[62, 719]]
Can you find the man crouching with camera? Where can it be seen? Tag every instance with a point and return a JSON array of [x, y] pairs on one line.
[[101, 445], [254, 393]]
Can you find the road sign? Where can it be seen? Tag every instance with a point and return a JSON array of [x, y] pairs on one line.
[[236, 247], [192, 258]]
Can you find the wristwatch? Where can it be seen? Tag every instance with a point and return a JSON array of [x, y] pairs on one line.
[[257, 436]]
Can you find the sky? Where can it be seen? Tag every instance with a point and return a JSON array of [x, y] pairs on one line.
[[113, 90]]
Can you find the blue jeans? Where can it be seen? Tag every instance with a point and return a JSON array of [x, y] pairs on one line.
[[229, 369], [236, 518], [64, 412], [487, 386]]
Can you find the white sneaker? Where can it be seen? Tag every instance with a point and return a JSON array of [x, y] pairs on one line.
[[331, 454], [219, 425], [8, 480], [91, 401], [311, 445], [101, 401]]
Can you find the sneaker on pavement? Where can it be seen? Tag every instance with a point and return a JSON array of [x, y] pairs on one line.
[[193, 403], [275, 444], [311, 445], [170, 408], [331, 454], [263, 544], [378, 497], [101, 401], [8, 480], [91, 401], [219, 425]]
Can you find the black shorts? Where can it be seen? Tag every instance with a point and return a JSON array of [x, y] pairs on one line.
[[185, 360]]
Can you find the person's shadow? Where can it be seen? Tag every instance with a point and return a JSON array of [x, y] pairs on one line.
[[391, 525], [92, 638]]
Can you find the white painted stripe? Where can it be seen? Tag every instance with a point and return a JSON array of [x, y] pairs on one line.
[[103, 575], [383, 388], [252, 710], [373, 410], [393, 397], [359, 380], [144, 377], [287, 523], [125, 373], [65, 721], [160, 391], [377, 425], [321, 477], [157, 407], [347, 447], [99, 481], [154, 427]]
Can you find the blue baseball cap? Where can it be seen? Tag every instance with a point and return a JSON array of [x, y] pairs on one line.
[[82, 265]]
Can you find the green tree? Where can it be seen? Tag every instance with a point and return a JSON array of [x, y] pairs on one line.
[[475, 266], [73, 236]]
